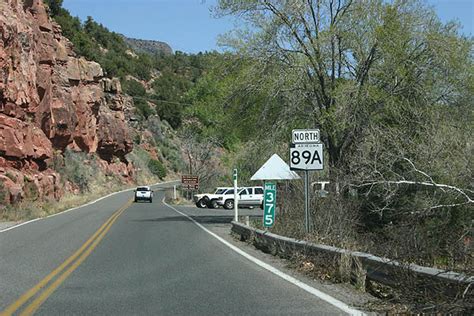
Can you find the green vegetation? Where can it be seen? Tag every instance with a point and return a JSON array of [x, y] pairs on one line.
[[3, 192], [171, 75], [77, 168], [157, 168], [389, 86]]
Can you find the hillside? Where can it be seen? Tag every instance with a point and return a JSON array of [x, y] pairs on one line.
[[84, 109], [66, 125], [58, 102], [148, 46]]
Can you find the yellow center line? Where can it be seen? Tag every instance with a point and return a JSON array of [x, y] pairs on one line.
[[98, 235]]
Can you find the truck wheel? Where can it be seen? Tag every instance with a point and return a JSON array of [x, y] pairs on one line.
[[201, 203], [212, 204], [229, 204]]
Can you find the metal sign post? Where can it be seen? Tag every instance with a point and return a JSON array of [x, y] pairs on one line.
[[306, 201], [306, 153], [236, 200]]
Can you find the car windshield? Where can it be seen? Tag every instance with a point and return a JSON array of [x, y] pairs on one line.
[[219, 191], [143, 189]]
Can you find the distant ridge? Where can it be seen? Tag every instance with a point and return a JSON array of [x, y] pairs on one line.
[[148, 46]]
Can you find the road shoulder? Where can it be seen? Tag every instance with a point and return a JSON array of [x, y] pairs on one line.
[[218, 222]]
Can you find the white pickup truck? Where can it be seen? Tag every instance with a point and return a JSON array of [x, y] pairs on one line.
[[248, 197], [143, 194], [209, 199]]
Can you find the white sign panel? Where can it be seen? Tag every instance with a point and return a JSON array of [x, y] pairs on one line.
[[305, 136], [306, 157]]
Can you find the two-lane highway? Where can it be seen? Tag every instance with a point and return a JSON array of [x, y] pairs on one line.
[[121, 258]]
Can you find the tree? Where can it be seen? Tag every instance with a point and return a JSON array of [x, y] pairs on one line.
[[157, 168], [389, 86], [55, 6], [339, 58]]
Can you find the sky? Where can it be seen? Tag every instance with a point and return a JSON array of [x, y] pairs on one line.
[[188, 25]]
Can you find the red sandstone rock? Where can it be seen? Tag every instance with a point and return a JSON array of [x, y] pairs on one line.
[[51, 100]]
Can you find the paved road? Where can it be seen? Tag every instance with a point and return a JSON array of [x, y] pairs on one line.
[[150, 261]]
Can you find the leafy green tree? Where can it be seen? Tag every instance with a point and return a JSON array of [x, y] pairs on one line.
[[381, 80], [157, 168]]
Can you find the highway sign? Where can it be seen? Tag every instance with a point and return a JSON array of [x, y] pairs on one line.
[[190, 182], [269, 204], [306, 157], [305, 136]]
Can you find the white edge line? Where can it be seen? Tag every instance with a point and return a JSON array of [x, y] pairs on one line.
[[77, 207], [323, 296]]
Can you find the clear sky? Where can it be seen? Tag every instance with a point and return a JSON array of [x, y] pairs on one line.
[[187, 25]]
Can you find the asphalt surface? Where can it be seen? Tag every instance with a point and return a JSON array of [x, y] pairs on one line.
[[152, 261]]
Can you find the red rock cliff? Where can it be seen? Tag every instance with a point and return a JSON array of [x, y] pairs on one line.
[[51, 100]]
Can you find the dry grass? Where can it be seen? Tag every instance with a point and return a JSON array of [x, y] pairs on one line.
[[27, 210]]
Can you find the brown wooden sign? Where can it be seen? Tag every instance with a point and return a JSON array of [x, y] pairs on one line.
[[190, 182]]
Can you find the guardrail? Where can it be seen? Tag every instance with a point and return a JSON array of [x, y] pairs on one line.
[[360, 267]]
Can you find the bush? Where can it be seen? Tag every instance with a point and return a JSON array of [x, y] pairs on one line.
[[75, 167], [133, 88], [3, 192], [157, 168], [143, 108]]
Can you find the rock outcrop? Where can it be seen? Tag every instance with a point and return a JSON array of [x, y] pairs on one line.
[[51, 100], [148, 46]]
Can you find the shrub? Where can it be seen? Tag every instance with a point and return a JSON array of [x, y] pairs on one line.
[[73, 167], [31, 191], [157, 168], [3, 192], [143, 108], [133, 88]]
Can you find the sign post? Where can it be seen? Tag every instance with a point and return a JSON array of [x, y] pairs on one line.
[[275, 169], [306, 153], [306, 201], [269, 204], [236, 196]]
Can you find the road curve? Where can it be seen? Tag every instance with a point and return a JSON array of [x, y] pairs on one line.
[[138, 259]]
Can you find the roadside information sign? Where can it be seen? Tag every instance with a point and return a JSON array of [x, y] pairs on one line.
[[305, 136], [269, 204], [306, 153], [190, 182], [306, 157]]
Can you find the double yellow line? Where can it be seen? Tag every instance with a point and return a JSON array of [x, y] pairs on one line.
[[71, 264]]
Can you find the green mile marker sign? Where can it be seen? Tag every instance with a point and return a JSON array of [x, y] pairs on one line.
[[269, 204]]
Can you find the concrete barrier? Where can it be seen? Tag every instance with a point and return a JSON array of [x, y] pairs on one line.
[[360, 267]]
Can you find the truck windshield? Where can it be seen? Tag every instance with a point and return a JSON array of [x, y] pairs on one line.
[[143, 189], [219, 191]]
